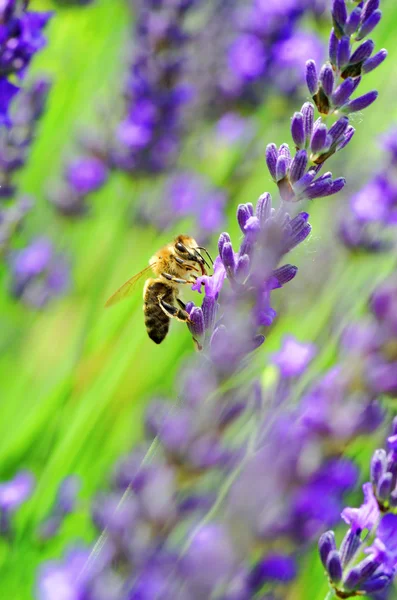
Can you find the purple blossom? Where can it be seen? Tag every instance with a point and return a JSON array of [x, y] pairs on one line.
[[38, 273], [17, 139], [365, 517], [16, 491], [21, 37], [86, 174], [293, 357], [370, 533]]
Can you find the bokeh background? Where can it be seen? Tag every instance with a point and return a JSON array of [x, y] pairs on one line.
[[75, 378]]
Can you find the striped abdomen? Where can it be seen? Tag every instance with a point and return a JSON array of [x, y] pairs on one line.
[[156, 321]]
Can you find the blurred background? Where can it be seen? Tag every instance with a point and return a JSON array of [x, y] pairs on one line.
[[89, 194]]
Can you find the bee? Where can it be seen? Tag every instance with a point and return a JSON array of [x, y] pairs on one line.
[[178, 263]]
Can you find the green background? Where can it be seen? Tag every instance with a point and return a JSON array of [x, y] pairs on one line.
[[75, 378]]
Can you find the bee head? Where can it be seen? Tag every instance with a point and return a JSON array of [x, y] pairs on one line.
[[187, 249]]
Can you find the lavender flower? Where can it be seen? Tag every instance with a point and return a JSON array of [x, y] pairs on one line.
[[350, 572], [21, 37], [13, 493], [16, 140], [38, 273], [148, 138], [83, 176], [337, 80], [267, 48], [65, 504], [373, 208]]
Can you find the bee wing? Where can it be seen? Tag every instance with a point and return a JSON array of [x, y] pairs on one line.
[[127, 288]]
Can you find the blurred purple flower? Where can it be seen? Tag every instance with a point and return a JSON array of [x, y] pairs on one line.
[[294, 357], [86, 174], [16, 491], [21, 37], [38, 273]]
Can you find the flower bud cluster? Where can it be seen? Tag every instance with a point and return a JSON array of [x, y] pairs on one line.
[[339, 78], [366, 561], [21, 37]]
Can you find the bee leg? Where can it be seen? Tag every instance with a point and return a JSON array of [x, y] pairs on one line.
[[183, 263], [181, 304], [173, 311], [178, 280]]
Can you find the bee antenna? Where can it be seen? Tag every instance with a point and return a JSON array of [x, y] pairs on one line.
[[207, 253]]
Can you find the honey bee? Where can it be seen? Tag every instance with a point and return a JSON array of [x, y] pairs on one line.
[[176, 264]]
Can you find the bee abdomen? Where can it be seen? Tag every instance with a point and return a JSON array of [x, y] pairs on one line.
[[156, 321]]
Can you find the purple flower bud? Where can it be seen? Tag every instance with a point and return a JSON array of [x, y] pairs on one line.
[[285, 274], [334, 566], [353, 579], [304, 182], [333, 48], [324, 187], [337, 185], [228, 258], [349, 546], [353, 21], [284, 151], [299, 230], [327, 79], [360, 103], [311, 77], [298, 166], [86, 175], [350, 131], [369, 7], [209, 308], [319, 137], [363, 52], [298, 130], [326, 545], [281, 167], [243, 214], [338, 129], [365, 569], [372, 63], [343, 52], [276, 568], [376, 583], [307, 111], [343, 92], [252, 225], [224, 237], [271, 159], [196, 325], [378, 465], [263, 208], [384, 487], [250, 208], [369, 25], [242, 268], [339, 13]]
